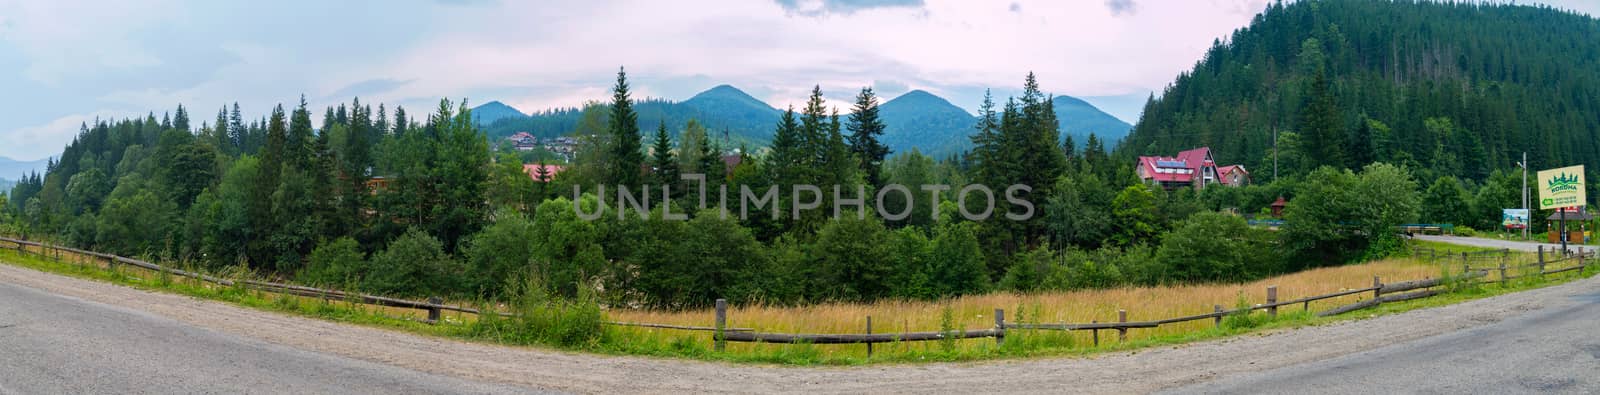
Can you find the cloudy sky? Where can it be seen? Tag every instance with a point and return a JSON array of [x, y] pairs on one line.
[[64, 62]]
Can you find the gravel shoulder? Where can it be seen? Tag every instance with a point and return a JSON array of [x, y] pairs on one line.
[[1139, 371]]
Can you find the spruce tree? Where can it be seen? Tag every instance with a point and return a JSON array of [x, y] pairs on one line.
[[1320, 125], [865, 132], [662, 163], [626, 157]]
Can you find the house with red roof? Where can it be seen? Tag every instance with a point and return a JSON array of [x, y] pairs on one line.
[[1193, 168]]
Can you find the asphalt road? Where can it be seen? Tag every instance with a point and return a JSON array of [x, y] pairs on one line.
[[1555, 349], [1494, 243], [51, 344]]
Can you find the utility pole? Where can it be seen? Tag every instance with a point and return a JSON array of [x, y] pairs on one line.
[[1524, 165]]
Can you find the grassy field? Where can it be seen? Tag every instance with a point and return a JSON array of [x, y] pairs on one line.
[[973, 312]]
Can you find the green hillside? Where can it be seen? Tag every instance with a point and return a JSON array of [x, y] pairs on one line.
[[1451, 89], [927, 122], [493, 111]]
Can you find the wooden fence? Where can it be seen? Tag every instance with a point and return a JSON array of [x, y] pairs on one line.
[[722, 333], [433, 306], [1381, 293]]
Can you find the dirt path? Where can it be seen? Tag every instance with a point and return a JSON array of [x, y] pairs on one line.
[[1140, 371]]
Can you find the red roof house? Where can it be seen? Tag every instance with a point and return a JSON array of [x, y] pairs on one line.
[[1234, 175], [1193, 168]]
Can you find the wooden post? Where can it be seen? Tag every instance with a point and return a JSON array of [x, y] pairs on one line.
[[1466, 262], [722, 322], [1217, 308], [1122, 333], [1580, 261], [1272, 301], [1502, 273], [869, 331], [433, 309], [1096, 333], [1377, 287], [1541, 260], [999, 327]]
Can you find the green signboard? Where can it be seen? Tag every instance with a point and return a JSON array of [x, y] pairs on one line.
[[1561, 187]]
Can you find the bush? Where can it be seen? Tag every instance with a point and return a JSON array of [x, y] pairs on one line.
[[1217, 247], [414, 265], [335, 263]]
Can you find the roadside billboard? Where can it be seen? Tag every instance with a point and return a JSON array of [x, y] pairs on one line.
[[1563, 187], [1514, 218]]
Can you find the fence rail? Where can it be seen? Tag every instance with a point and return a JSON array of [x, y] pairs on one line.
[[722, 333], [432, 307]]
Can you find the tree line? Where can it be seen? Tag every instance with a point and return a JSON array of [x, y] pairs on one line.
[[383, 203]]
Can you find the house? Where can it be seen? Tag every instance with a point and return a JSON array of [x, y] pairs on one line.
[[564, 147], [1234, 175], [1193, 168], [549, 171], [523, 141]]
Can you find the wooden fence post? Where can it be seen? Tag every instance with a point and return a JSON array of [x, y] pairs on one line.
[[869, 332], [1272, 301], [1217, 308], [1096, 332], [1502, 273], [433, 309], [999, 327], [1377, 287], [1122, 333], [722, 322], [1541, 260]]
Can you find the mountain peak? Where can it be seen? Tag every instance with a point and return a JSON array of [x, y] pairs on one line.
[[923, 101], [492, 111]]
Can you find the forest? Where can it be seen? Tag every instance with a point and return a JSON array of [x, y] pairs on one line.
[[1367, 114], [1455, 91]]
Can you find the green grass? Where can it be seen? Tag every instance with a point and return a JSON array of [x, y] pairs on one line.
[[563, 327]]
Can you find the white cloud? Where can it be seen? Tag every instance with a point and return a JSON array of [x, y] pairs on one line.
[[41, 141]]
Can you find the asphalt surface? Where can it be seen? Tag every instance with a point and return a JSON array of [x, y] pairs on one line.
[[1511, 244], [51, 344], [1553, 349]]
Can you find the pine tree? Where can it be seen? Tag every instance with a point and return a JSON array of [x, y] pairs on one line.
[[865, 131], [262, 223], [236, 131], [662, 163], [401, 123], [1320, 125], [626, 155], [356, 162], [297, 146], [180, 120]]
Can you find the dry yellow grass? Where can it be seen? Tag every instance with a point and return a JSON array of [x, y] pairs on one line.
[[976, 312]]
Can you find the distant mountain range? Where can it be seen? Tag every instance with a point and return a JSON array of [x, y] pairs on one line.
[[12, 169], [916, 119]]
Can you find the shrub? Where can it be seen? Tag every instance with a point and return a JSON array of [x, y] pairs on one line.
[[333, 263], [1217, 247], [414, 265]]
